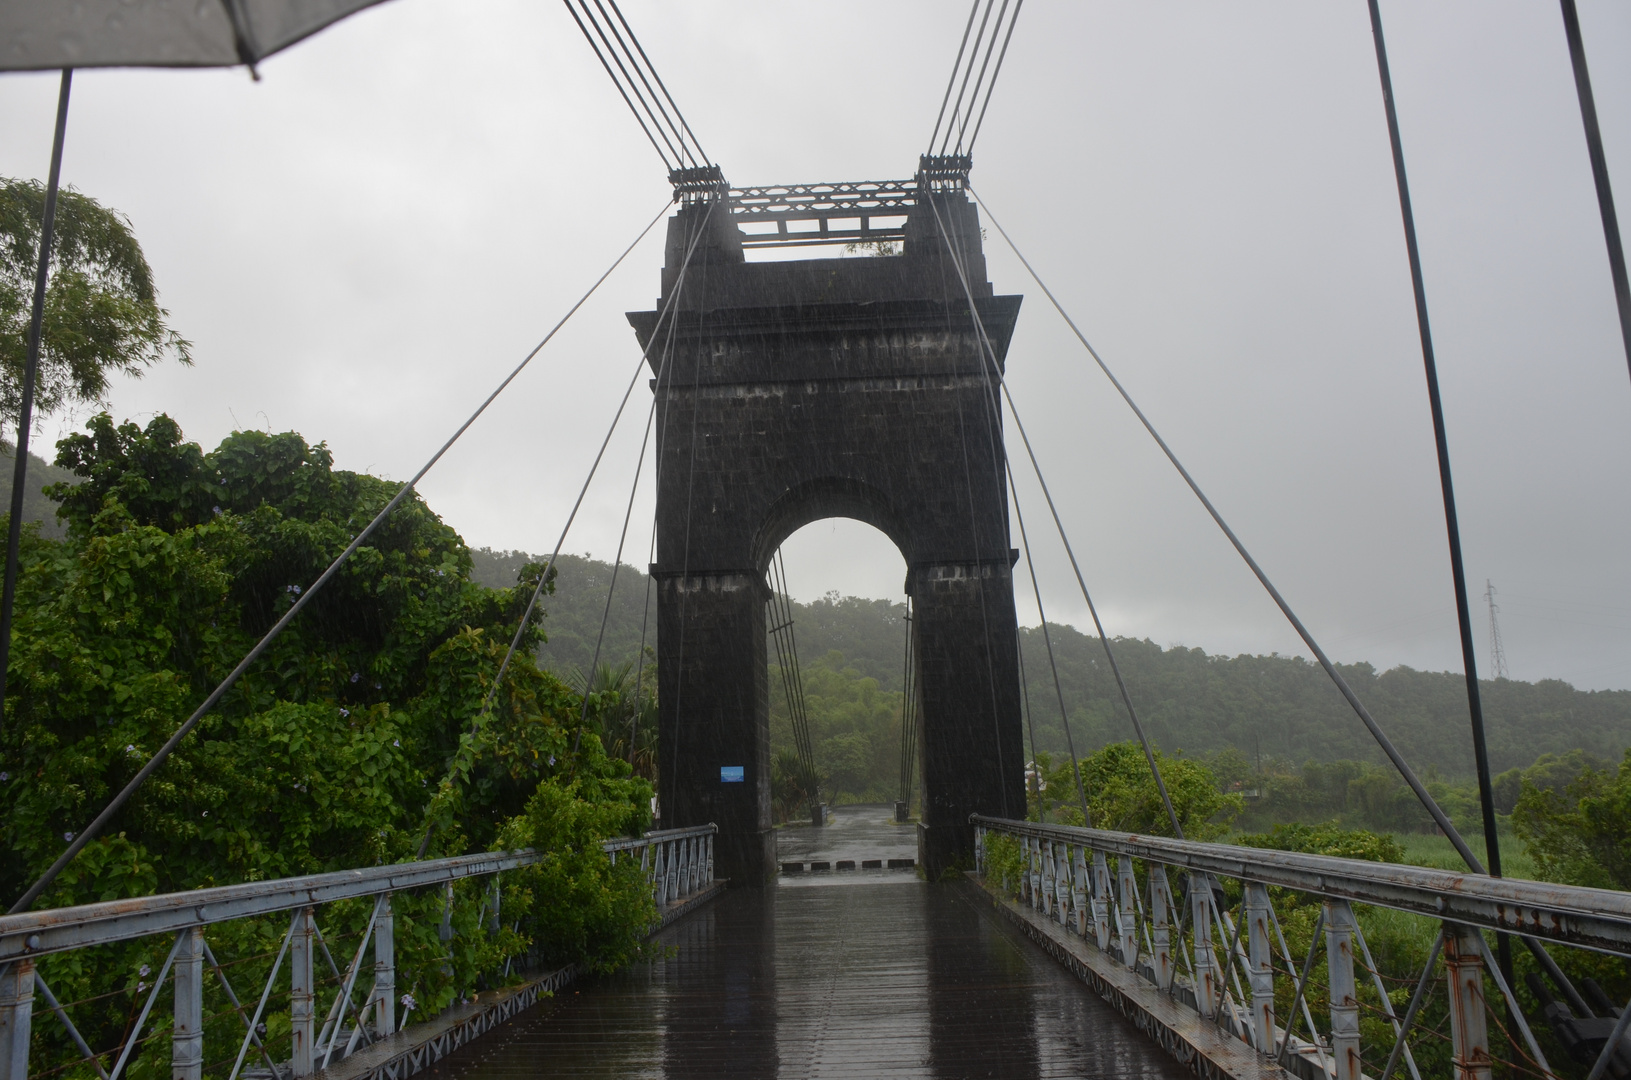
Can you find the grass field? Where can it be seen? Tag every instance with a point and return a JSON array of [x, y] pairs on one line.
[[1424, 850]]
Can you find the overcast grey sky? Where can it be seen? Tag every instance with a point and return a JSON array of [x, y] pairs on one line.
[[361, 245]]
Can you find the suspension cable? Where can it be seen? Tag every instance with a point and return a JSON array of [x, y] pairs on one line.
[[1030, 719], [1440, 818], [962, 90], [618, 83], [700, 155], [974, 89], [991, 47], [90, 831], [1098, 625], [1053, 666], [952, 79], [685, 150], [611, 587], [993, 403], [617, 560], [634, 80], [663, 126], [640, 661], [993, 84], [543, 578]]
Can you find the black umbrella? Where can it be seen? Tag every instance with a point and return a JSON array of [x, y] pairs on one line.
[[36, 35], [47, 36]]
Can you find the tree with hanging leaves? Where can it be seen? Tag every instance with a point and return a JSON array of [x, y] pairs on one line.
[[102, 315]]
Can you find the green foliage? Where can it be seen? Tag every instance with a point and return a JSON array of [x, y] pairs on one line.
[[574, 616], [1327, 839], [854, 729], [1122, 795], [101, 310], [627, 723], [1004, 862], [793, 787], [586, 909], [361, 727], [1575, 819], [37, 505]]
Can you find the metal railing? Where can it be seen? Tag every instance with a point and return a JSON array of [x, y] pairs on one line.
[[677, 862], [1115, 890]]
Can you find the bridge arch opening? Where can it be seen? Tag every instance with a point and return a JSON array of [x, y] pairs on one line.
[[841, 708]]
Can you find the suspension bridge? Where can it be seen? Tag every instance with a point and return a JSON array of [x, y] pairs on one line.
[[969, 942]]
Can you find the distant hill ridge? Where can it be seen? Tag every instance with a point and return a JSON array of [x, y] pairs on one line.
[[1265, 706]]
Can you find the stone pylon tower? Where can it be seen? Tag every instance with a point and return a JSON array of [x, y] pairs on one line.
[[791, 391]]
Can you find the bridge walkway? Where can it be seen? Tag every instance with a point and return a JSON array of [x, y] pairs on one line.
[[863, 973]]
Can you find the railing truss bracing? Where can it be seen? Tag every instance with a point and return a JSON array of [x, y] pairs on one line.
[[678, 863]]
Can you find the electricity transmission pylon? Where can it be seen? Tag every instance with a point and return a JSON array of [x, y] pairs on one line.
[[1497, 654]]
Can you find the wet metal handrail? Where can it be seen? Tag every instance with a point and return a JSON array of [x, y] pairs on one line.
[[1113, 891], [1590, 918], [678, 863]]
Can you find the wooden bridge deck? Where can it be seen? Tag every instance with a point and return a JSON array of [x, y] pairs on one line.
[[870, 974]]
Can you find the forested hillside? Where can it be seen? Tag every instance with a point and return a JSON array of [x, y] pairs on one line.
[[1269, 708], [36, 505]]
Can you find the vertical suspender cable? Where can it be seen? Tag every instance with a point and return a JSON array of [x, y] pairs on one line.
[[1053, 665], [31, 368], [1440, 818], [1452, 527], [989, 357], [1034, 784], [1599, 173]]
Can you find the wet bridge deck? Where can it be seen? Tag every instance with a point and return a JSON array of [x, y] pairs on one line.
[[865, 973]]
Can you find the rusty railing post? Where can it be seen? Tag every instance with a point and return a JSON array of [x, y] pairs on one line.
[[1469, 1023], [1061, 880], [1208, 979], [1161, 927], [187, 980], [302, 995], [1078, 888], [384, 995], [1049, 871], [1260, 964], [1128, 902], [16, 1018], [1339, 960], [1101, 901]]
